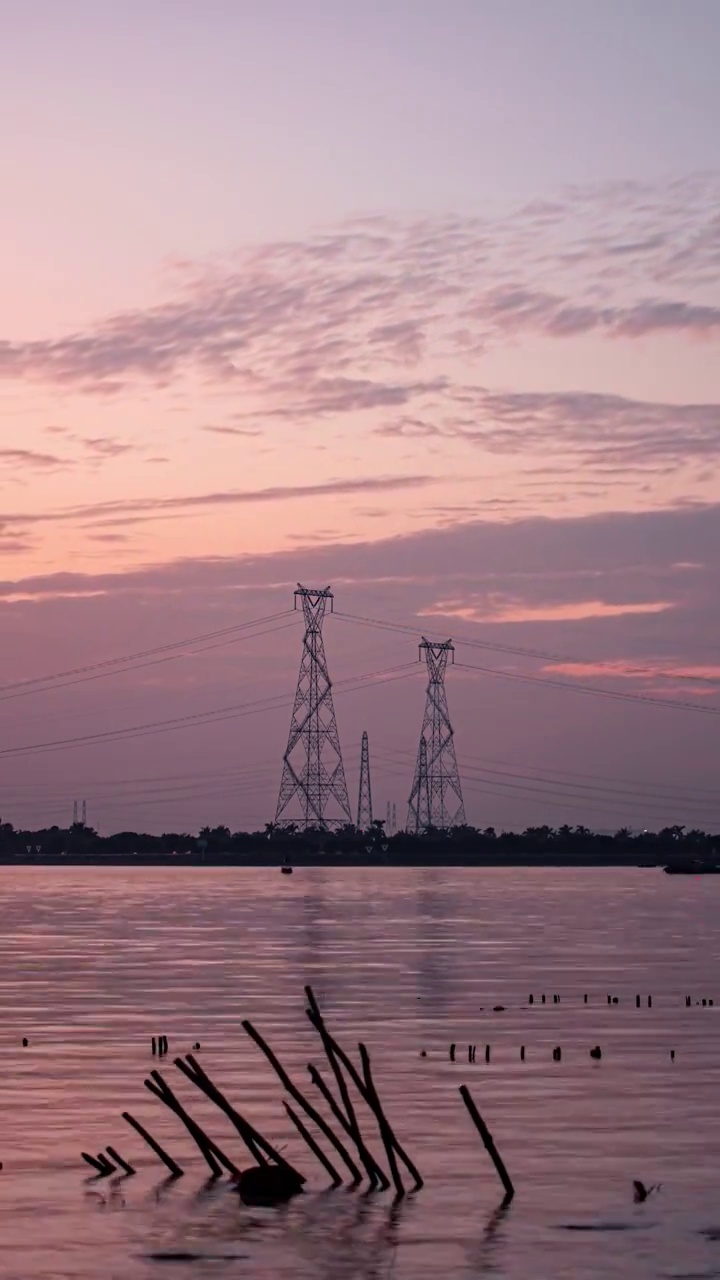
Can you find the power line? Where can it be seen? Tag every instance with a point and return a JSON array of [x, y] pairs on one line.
[[198, 718], [543, 655], [132, 662], [551, 790], [619, 695]]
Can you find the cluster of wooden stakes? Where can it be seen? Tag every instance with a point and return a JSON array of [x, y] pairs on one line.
[[271, 1179]]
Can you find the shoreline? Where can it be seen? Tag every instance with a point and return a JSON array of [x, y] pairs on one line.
[[323, 860]]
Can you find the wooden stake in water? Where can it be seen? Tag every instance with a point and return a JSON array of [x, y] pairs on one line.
[[302, 1101], [167, 1160], [488, 1142], [315, 1016]]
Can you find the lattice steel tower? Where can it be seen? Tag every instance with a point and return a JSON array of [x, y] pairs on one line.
[[436, 796], [313, 791], [364, 809]]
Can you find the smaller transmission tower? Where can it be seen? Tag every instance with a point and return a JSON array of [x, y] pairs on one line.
[[364, 809], [393, 828], [75, 813], [313, 790], [436, 796]]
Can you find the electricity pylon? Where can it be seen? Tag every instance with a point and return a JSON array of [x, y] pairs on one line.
[[364, 809], [436, 797], [313, 791]]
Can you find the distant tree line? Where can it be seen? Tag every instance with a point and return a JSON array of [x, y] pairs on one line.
[[463, 845]]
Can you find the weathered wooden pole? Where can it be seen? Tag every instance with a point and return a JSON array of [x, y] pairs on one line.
[[302, 1101], [316, 1149], [488, 1142], [373, 1170], [375, 1174], [258, 1146], [122, 1164], [385, 1132], [167, 1160], [314, 1015], [211, 1152]]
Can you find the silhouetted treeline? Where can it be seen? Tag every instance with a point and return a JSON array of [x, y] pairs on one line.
[[462, 846]]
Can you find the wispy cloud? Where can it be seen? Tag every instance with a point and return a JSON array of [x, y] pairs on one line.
[[136, 510], [515, 308], [31, 460], [614, 433], [330, 316], [496, 607]]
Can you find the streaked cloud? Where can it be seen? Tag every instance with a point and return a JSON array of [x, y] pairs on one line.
[[136, 510], [320, 317], [499, 608]]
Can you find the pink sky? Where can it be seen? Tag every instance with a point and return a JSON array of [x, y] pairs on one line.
[[421, 302]]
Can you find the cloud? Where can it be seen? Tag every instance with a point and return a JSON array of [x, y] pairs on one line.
[[134, 510], [329, 321], [233, 431], [105, 446], [516, 308], [31, 459], [14, 546], [620, 559], [631, 433], [501, 608], [706, 673]]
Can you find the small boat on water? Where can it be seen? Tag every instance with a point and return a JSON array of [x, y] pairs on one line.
[[286, 869]]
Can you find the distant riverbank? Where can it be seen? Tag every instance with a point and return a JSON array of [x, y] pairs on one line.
[[446, 857]]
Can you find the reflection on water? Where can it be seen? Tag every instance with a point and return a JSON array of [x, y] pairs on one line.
[[94, 963]]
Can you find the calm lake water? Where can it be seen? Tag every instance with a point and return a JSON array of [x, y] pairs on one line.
[[95, 962]]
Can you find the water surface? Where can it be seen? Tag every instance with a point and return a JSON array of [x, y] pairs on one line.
[[94, 963]]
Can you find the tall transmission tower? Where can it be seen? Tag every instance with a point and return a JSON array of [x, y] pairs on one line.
[[313, 791], [364, 809], [393, 828], [436, 796], [75, 813]]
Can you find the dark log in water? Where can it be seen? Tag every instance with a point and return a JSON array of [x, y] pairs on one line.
[[94, 1164], [302, 1101], [488, 1142], [316, 1149], [167, 1160], [268, 1184]]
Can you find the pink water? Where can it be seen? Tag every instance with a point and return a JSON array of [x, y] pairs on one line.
[[94, 963]]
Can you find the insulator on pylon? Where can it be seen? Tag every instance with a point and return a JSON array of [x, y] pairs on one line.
[[313, 791], [436, 798], [364, 809]]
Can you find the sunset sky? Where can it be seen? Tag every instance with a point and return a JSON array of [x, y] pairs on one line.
[[417, 299]]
